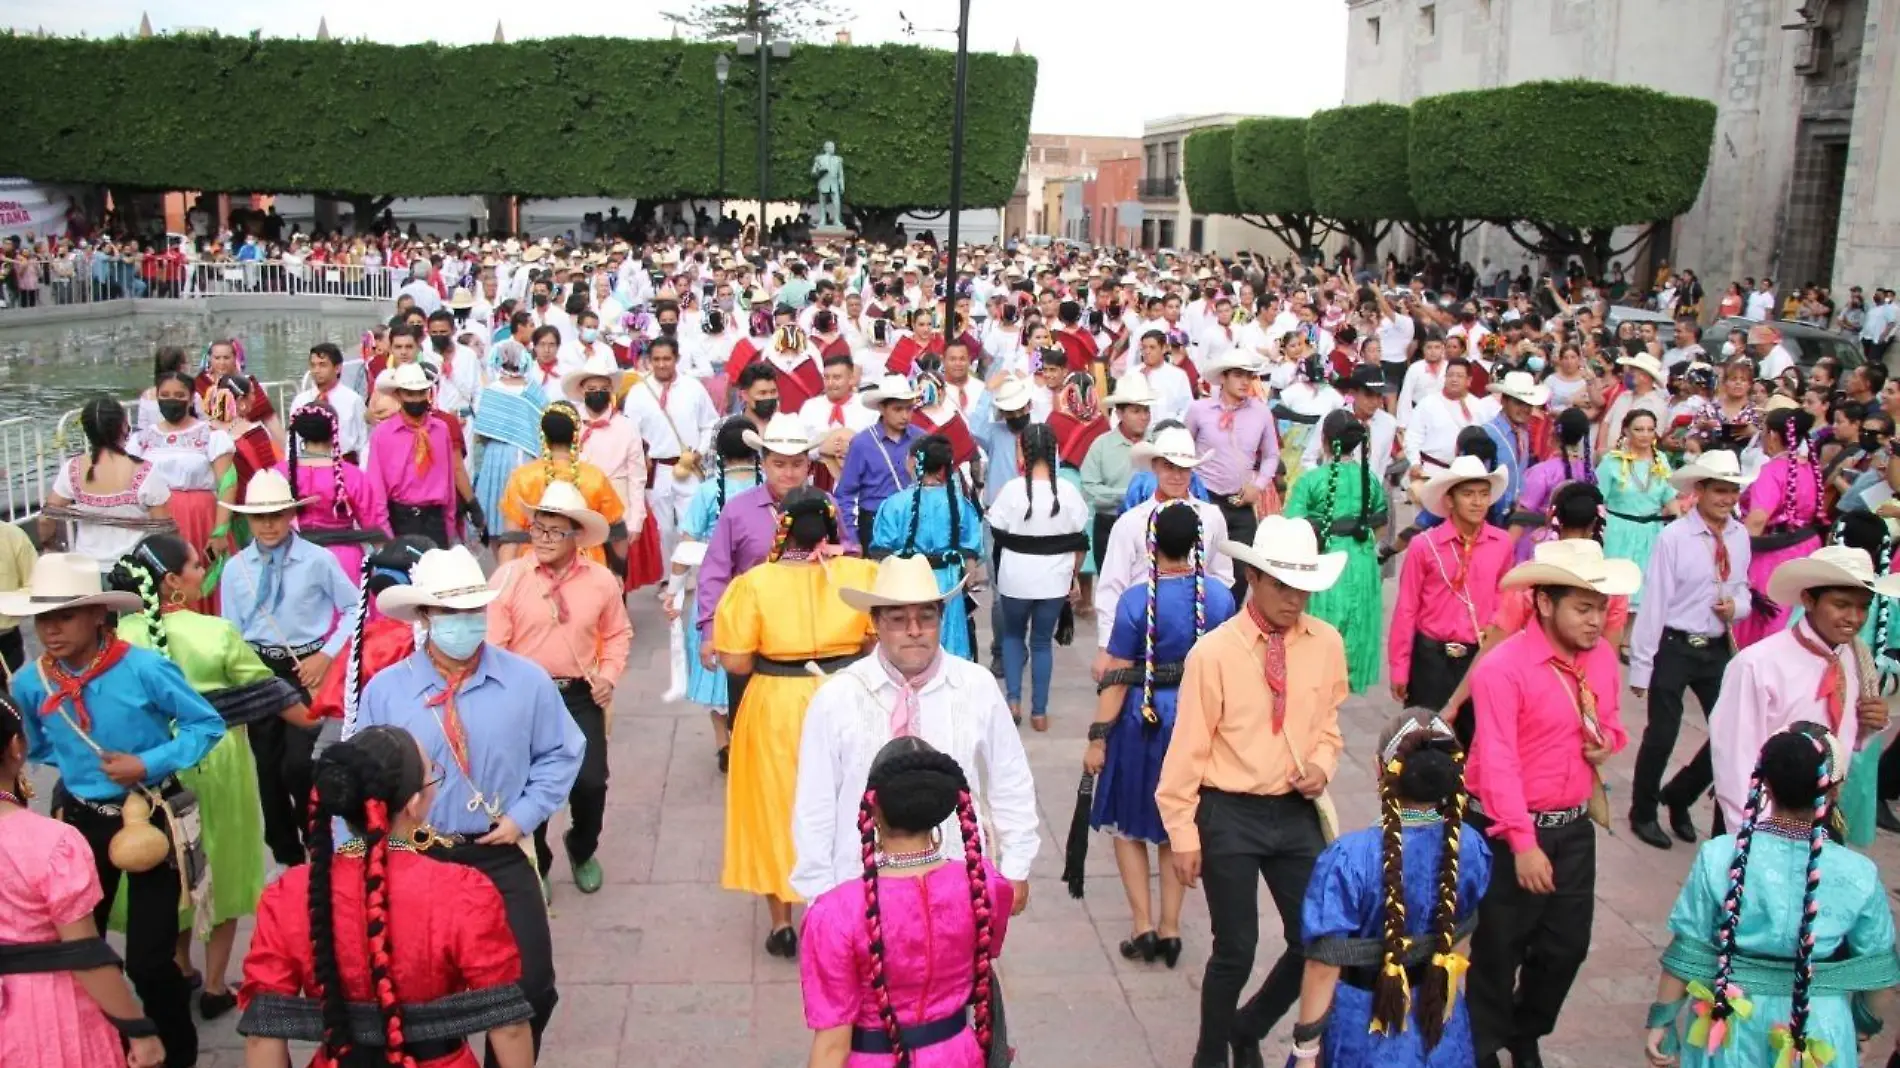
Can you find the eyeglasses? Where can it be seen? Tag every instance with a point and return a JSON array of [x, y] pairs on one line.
[[541, 533], [437, 773]]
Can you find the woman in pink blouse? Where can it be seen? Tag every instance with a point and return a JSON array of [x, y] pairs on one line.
[[1782, 511], [896, 967]]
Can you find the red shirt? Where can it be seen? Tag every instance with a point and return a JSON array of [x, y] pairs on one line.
[[1080, 347], [962, 445], [904, 354], [837, 346], [1428, 604], [385, 642], [1527, 755], [1073, 436]]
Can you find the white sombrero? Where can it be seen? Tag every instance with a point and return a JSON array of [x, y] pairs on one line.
[[1519, 385], [888, 388], [409, 376], [1175, 445], [1647, 364], [1718, 465], [595, 366], [564, 499], [900, 580], [784, 434], [1287, 550], [444, 578], [267, 494], [1431, 496], [1232, 360], [65, 580], [1830, 565], [1576, 562], [1011, 396], [1130, 390]]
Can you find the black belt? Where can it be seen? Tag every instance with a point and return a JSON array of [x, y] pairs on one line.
[[417, 509], [348, 536], [1656, 518], [286, 652], [242, 705], [1041, 544], [1167, 674], [28, 958], [1353, 525], [1694, 641], [795, 669], [954, 558], [1350, 952], [171, 790], [866, 1040], [431, 1029], [1562, 817], [1452, 650], [1781, 539], [1281, 411], [664, 461]]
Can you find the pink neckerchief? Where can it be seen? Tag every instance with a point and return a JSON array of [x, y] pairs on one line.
[[909, 709]]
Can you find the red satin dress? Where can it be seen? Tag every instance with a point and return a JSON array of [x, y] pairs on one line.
[[385, 641]]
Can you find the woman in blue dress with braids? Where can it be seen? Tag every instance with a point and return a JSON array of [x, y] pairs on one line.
[[936, 518], [1155, 626], [1346, 505], [735, 470], [1386, 912], [1780, 936]]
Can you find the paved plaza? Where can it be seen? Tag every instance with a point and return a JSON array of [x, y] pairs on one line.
[[663, 969]]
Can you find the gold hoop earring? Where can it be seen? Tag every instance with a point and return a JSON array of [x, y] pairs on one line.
[[175, 598]]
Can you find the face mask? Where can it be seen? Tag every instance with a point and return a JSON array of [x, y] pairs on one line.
[[415, 409], [1016, 423], [1535, 364], [1728, 348], [458, 636], [441, 343], [589, 335], [765, 409], [1869, 442], [668, 329], [598, 399], [173, 411], [540, 300]]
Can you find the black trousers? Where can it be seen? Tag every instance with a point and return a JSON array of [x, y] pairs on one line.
[[507, 867], [151, 929], [13, 650], [1241, 523], [429, 520], [1104, 526], [1679, 666], [1244, 838], [587, 799], [285, 769], [1528, 947], [867, 525], [1435, 677]]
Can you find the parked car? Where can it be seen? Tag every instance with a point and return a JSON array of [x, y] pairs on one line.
[[1809, 343]]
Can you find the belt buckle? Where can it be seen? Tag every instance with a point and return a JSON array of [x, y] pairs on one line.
[[1457, 650], [426, 838], [1697, 641]]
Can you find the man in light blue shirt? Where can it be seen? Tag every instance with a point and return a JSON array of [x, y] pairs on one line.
[[1001, 414], [505, 746]]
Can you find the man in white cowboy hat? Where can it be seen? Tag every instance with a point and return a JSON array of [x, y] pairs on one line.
[[1519, 398], [1365, 398], [286, 597], [568, 614], [908, 687], [1448, 589], [1001, 415], [494, 724], [878, 462], [415, 462], [1173, 458], [1109, 464], [1546, 704], [676, 419], [1237, 439], [1808, 673], [1256, 740], [148, 724], [1643, 392], [610, 441], [1696, 588]]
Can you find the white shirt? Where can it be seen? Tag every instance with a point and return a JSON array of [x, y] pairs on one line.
[[961, 712], [1381, 431], [456, 391], [1125, 564], [1761, 306], [1675, 357], [1395, 336], [816, 415], [1215, 340], [964, 398], [1879, 321], [689, 407], [1422, 380], [556, 318], [1173, 392], [1042, 401], [1773, 365], [1436, 423], [1035, 578], [424, 294], [351, 431]]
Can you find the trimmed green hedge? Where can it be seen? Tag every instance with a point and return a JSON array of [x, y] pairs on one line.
[[578, 116], [1270, 167], [1573, 153], [1356, 163], [1208, 156]]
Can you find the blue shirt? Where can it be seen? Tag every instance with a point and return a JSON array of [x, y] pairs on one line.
[[875, 467], [524, 747], [998, 443], [142, 705], [312, 594], [1141, 486]]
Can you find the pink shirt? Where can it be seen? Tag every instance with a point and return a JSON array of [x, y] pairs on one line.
[[613, 445], [1427, 603], [1769, 687], [392, 466], [1527, 755]]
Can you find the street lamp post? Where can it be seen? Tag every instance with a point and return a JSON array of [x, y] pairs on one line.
[[956, 163], [766, 47], [722, 68]]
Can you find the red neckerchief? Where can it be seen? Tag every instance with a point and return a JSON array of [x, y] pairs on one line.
[[547, 370], [66, 686], [1276, 664], [423, 455], [1463, 548], [1833, 688], [588, 428], [452, 727], [555, 582], [837, 413], [1721, 552], [1228, 415]]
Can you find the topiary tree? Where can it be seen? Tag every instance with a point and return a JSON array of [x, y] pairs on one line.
[[1560, 165], [1357, 173], [1208, 156], [1270, 182]]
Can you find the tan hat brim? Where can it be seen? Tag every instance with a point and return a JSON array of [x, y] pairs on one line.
[[865, 600], [1312, 576], [593, 525], [406, 602], [267, 508], [22, 604], [1431, 497], [1620, 578]]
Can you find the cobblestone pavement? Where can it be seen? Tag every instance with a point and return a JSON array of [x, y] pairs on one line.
[[663, 969]]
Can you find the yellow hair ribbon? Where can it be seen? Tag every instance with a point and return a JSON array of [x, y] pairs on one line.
[[1455, 965]]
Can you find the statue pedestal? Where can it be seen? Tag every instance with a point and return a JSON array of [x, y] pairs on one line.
[[833, 233]]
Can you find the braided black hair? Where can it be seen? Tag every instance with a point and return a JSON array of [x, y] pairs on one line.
[[933, 456], [103, 421], [1426, 768], [729, 446], [143, 571], [1573, 431], [1342, 435], [380, 569], [1037, 444], [1578, 506], [807, 518], [317, 422]]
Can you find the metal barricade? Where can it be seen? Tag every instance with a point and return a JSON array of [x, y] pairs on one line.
[[90, 276]]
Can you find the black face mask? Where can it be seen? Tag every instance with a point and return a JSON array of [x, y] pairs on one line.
[[668, 329], [415, 409], [765, 409], [441, 342], [540, 300], [1017, 423], [598, 399], [173, 411], [1869, 442]]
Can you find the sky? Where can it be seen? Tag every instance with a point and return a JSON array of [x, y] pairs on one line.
[[1122, 62]]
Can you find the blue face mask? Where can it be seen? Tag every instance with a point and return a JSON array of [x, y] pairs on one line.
[[458, 636], [1535, 365], [589, 335]]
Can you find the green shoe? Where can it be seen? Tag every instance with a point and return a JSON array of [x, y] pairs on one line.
[[587, 876]]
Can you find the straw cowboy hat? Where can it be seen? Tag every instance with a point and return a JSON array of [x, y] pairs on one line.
[[1175, 445], [1647, 364], [888, 388], [65, 580], [462, 298], [784, 434], [1576, 562], [443, 578], [1287, 550], [267, 494], [1431, 496], [1830, 565], [409, 376], [1232, 360], [534, 254], [563, 499], [595, 366], [1012, 396], [1717, 465], [1519, 385], [1130, 391], [900, 580]]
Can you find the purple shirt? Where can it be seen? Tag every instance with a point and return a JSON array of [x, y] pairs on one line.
[[1680, 587], [1246, 451], [393, 475], [741, 540]]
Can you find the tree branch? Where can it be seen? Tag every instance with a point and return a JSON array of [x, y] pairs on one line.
[[1642, 237]]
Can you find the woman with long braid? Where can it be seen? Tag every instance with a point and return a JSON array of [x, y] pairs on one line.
[[220, 665], [897, 970], [1155, 625], [423, 944], [934, 517], [1386, 913], [1782, 940], [1782, 511], [735, 470], [560, 459], [375, 642], [1345, 502], [1572, 462], [345, 516], [1039, 524], [109, 499]]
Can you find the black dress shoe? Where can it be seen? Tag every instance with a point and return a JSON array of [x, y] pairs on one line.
[[782, 943], [1525, 1055], [1142, 947], [1885, 819], [1682, 822], [211, 1006], [725, 758], [1170, 950], [1650, 833], [1247, 1055]]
